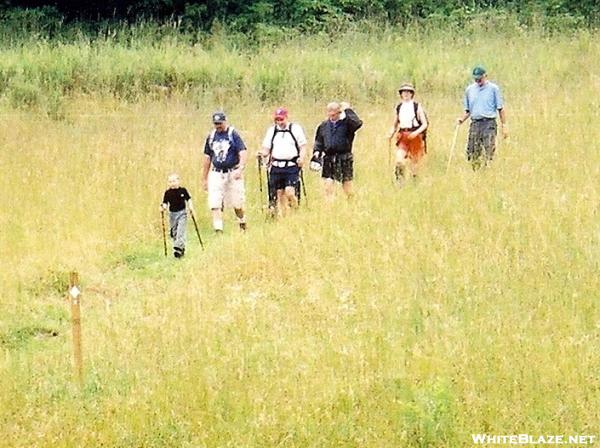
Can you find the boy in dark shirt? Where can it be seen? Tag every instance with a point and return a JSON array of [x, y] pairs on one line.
[[175, 199]]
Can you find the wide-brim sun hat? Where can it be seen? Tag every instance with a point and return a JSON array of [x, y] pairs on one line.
[[406, 87]]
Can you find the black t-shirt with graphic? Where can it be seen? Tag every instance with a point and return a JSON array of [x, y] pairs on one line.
[[176, 198]]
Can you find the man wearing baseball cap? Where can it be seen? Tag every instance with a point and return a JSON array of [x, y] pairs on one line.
[[224, 163], [483, 102], [285, 147]]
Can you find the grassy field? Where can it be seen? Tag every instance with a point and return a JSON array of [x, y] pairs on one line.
[[465, 303]]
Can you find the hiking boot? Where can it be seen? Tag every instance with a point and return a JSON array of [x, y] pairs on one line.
[[399, 173], [218, 232], [243, 226]]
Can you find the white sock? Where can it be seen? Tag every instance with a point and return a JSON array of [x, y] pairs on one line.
[[218, 224]]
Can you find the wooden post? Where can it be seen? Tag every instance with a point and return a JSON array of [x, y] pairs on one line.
[[75, 299]]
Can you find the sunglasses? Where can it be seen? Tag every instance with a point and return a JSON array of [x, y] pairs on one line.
[[278, 119]]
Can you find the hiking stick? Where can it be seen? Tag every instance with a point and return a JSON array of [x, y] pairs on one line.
[[303, 186], [389, 152], [389, 160], [259, 162], [196, 227], [260, 183], [162, 220], [452, 147]]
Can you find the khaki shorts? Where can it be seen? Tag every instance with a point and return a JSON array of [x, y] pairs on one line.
[[224, 190]]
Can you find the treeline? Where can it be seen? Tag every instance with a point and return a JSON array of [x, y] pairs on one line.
[[59, 17]]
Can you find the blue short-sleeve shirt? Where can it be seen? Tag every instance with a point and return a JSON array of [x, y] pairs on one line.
[[484, 101], [224, 149]]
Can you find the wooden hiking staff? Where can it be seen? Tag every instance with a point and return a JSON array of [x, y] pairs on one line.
[[452, 147], [162, 220], [389, 158], [390, 151], [196, 227]]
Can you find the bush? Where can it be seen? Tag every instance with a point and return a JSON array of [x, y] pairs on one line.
[[23, 95]]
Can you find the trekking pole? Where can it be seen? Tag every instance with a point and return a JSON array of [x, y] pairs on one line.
[[196, 227], [259, 163], [162, 220], [452, 147], [260, 183], [303, 186]]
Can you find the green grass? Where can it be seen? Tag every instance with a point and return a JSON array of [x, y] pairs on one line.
[[465, 303]]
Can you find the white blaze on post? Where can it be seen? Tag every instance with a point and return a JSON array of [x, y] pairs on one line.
[[74, 292]]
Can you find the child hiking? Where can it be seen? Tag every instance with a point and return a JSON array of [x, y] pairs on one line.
[[175, 200]]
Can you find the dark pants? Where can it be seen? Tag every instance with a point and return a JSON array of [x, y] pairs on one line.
[[482, 140]]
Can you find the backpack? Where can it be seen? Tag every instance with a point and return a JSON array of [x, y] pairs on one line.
[[289, 129], [211, 136], [424, 133], [297, 186]]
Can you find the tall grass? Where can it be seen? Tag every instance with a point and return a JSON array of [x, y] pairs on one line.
[[465, 303]]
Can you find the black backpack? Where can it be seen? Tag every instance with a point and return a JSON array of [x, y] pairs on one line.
[[289, 129], [297, 187], [424, 133]]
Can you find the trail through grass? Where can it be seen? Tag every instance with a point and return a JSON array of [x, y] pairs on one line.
[[464, 303]]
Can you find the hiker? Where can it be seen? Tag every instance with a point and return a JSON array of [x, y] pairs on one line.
[[175, 200], [409, 127], [224, 162], [284, 147], [332, 150], [482, 102]]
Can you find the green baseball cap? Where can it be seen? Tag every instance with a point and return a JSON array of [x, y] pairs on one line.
[[478, 72]]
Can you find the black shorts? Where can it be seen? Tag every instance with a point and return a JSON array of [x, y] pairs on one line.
[[338, 167], [272, 193], [280, 178]]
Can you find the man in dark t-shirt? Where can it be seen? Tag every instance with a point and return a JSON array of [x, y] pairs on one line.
[[175, 200]]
